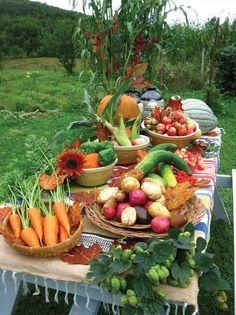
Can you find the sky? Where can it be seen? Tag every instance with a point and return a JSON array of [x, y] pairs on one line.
[[200, 10]]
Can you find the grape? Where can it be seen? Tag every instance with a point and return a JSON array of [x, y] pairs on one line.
[[167, 263], [192, 251], [133, 301], [138, 249], [130, 293], [161, 274], [165, 270], [115, 285], [171, 258], [185, 284], [161, 292], [153, 276], [187, 234], [123, 284], [192, 272], [173, 282], [127, 253], [132, 257], [156, 267], [191, 263]]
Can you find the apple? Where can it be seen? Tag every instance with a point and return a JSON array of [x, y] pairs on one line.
[[178, 115], [182, 121], [166, 120], [171, 131], [161, 127], [190, 131], [176, 125], [160, 132], [182, 132], [168, 126], [192, 125]]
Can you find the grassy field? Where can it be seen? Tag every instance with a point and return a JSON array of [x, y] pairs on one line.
[[42, 85]]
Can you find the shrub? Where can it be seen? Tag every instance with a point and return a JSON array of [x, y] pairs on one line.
[[226, 71]]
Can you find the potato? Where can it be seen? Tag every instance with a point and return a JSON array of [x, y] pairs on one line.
[[121, 196], [128, 216], [129, 183], [158, 209], [162, 200], [107, 194], [153, 191], [178, 220]]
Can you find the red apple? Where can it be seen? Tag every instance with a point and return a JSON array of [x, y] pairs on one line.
[[192, 125], [171, 131], [190, 131], [182, 121], [168, 126], [166, 121], [160, 132], [178, 115], [177, 125]]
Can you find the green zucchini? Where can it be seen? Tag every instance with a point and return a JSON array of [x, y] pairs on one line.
[[164, 146], [157, 178], [155, 157], [167, 174]]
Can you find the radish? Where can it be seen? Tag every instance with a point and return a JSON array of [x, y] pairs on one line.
[[137, 197], [138, 141], [160, 224], [120, 208], [109, 212]]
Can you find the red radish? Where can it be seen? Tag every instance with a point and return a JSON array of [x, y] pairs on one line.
[[166, 120], [138, 141], [109, 212], [168, 126], [177, 115], [120, 208], [182, 121], [182, 132], [171, 131], [148, 203], [160, 224], [161, 127], [192, 126], [177, 125], [160, 132], [190, 131], [137, 197]]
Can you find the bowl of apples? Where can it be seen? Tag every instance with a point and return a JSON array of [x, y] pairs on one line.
[[171, 126]]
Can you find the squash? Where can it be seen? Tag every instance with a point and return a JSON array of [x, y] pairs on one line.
[[127, 107], [201, 113]]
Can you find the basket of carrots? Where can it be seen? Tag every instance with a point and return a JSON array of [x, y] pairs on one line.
[[41, 228]]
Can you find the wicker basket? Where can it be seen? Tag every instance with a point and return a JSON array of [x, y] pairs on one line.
[[47, 251], [193, 209], [180, 141], [92, 177], [129, 154]]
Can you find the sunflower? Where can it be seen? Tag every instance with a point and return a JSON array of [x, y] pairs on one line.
[[71, 162]]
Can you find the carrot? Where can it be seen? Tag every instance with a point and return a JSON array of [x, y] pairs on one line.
[[30, 238], [91, 160], [15, 224], [60, 211], [63, 235], [50, 229], [36, 221]]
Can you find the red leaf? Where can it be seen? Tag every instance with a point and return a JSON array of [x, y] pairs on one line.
[[129, 73], [50, 182], [81, 254], [102, 132], [126, 245], [74, 213], [85, 197], [140, 83], [4, 212]]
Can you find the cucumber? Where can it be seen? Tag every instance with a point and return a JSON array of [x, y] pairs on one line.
[[164, 146], [155, 157], [167, 174], [157, 178]]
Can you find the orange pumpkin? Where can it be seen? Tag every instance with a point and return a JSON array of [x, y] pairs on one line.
[[127, 107]]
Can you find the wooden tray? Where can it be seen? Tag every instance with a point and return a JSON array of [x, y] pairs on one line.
[[193, 209]]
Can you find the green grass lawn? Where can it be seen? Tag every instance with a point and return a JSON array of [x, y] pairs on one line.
[[27, 85]]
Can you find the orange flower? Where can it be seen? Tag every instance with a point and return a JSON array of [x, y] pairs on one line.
[[71, 162]]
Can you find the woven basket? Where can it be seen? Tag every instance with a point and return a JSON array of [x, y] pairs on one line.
[[47, 251], [129, 154], [92, 177], [193, 209]]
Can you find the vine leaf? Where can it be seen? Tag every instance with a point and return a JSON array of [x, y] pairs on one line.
[[204, 262], [212, 280], [144, 262], [162, 251], [98, 268], [117, 267], [181, 272], [200, 244]]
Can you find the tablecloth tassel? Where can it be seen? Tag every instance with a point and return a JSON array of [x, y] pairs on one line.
[[75, 295], [114, 311], [168, 308], [4, 282], [15, 280], [88, 298], [195, 311], [37, 291], [25, 286], [66, 293], [176, 309], [184, 308], [104, 304], [56, 294], [46, 291]]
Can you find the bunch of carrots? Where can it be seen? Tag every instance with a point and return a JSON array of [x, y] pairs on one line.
[[34, 222]]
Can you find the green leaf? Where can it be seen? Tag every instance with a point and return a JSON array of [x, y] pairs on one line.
[[204, 261], [212, 280], [162, 251], [189, 228], [98, 268], [143, 286], [174, 233], [117, 267], [183, 242], [200, 244], [181, 272], [143, 245], [111, 107], [144, 262]]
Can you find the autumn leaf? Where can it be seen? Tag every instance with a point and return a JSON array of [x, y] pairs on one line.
[[85, 197], [129, 73], [102, 132], [140, 69], [140, 83], [50, 182], [4, 212], [74, 213], [81, 254]]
